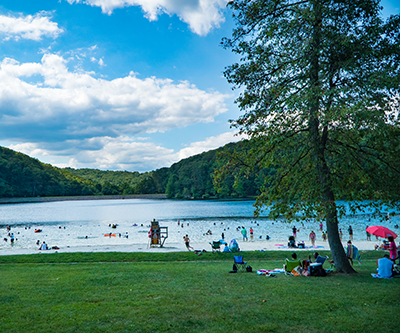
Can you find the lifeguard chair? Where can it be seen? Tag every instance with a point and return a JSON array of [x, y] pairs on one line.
[[158, 234]]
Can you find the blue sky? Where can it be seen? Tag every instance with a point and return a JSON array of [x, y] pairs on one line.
[[116, 84]]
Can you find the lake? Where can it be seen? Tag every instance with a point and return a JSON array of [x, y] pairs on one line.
[[68, 223]]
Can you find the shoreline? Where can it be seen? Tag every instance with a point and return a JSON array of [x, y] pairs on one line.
[[81, 198], [158, 196], [263, 246]]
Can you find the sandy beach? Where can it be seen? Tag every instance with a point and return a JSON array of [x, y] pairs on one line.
[[84, 226], [176, 247]]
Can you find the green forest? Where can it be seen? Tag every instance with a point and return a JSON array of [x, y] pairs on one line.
[[23, 176], [190, 178]]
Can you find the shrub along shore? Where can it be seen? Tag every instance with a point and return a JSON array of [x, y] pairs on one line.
[[77, 198], [182, 291]]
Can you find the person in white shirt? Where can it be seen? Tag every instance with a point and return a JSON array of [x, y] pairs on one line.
[[43, 246]]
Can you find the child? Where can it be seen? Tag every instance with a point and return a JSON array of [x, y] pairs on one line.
[[187, 242], [349, 252]]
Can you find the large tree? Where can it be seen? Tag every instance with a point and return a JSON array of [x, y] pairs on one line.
[[319, 89]]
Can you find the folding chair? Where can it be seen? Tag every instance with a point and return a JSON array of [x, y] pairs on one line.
[[240, 264], [215, 246], [291, 264], [322, 260]]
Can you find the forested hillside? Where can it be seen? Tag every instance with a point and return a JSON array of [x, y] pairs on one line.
[[124, 182], [193, 176], [23, 176]]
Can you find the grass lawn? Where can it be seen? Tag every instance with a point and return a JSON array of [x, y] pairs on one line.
[[183, 292]]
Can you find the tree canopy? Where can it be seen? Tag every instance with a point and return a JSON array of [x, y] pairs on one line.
[[23, 176], [190, 178], [319, 84]]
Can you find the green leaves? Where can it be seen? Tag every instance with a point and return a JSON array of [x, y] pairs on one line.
[[319, 80]]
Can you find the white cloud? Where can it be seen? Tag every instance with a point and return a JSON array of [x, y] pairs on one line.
[[32, 27], [210, 143], [121, 153], [201, 15], [76, 105]]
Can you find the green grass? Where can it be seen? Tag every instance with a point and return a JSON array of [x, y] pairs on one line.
[[183, 292]]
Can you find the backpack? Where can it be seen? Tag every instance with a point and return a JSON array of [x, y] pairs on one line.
[[317, 270], [249, 269]]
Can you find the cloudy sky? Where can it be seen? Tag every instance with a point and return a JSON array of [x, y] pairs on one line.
[[116, 84]]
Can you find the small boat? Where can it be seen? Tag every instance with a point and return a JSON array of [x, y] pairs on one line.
[[38, 230]]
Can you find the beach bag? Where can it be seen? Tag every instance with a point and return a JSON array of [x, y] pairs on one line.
[[296, 271], [317, 270], [305, 272]]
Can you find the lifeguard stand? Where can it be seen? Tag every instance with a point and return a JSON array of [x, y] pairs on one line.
[[158, 234]]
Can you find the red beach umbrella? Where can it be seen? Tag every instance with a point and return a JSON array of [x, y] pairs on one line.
[[380, 231]]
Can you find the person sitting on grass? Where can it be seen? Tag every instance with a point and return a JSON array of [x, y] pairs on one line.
[[291, 264], [385, 267], [226, 248], [318, 259]]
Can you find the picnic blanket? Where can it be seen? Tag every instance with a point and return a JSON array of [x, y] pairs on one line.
[[267, 272], [377, 276]]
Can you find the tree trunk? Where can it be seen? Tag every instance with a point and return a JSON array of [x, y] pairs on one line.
[[342, 264], [318, 142]]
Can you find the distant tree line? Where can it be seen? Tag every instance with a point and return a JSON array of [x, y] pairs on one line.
[[191, 178]]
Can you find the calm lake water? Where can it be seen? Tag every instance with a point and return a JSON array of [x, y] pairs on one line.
[[67, 223]]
